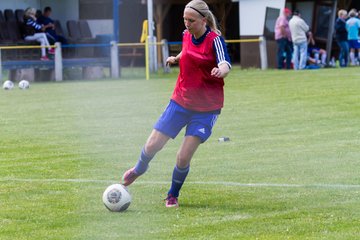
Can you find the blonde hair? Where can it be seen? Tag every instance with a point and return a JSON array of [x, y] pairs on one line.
[[203, 9], [29, 11], [353, 13], [342, 12]]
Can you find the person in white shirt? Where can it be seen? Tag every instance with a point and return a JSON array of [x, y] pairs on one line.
[[299, 29]]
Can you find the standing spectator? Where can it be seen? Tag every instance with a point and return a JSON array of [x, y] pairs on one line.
[[298, 29], [283, 39], [35, 32], [352, 27], [45, 19], [342, 37]]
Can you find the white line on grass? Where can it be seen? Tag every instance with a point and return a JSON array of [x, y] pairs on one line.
[[236, 184]]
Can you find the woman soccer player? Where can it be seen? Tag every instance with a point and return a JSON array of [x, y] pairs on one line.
[[197, 98]]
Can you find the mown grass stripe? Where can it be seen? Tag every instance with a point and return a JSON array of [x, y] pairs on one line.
[[235, 184]]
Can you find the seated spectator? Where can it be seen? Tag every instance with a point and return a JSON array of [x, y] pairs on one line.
[[315, 55], [45, 19], [35, 32]]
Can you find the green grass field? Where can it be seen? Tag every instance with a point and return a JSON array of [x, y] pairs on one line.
[[290, 171]]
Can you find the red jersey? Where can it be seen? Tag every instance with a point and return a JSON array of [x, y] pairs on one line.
[[195, 88]]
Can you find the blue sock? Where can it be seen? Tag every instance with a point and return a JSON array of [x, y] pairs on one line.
[[178, 178], [143, 162]]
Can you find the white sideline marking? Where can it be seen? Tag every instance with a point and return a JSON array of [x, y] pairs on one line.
[[237, 184]]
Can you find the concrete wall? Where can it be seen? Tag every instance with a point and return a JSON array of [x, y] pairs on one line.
[[65, 10], [252, 15], [18, 4], [62, 10], [306, 9], [101, 26]]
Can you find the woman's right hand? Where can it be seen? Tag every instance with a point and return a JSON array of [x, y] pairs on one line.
[[171, 60], [49, 25]]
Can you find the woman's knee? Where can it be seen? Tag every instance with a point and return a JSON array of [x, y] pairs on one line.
[[152, 147], [155, 143], [183, 159]]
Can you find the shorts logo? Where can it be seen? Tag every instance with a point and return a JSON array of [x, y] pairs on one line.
[[202, 130]]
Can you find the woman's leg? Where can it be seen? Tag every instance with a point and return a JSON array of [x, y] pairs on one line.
[[45, 39], [198, 130], [154, 144], [42, 39], [182, 167]]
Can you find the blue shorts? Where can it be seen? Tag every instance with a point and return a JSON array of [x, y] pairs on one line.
[[312, 50], [175, 117], [354, 44]]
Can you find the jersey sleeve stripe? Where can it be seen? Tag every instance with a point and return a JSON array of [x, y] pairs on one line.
[[221, 53], [33, 24], [219, 49]]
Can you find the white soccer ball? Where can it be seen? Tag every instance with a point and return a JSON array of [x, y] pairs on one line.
[[24, 84], [116, 198], [8, 85]]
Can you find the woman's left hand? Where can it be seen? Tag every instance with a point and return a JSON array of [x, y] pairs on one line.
[[221, 71], [216, 72]]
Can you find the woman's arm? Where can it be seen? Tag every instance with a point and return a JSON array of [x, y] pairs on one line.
[[221, 71], [173, 60]]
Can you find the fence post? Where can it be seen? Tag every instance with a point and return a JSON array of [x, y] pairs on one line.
[[58, 62], [165, 55], [153, 67], [0, 68], [263, 53], [114, 58], [147, 59]]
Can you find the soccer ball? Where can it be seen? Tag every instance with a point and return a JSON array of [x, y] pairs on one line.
[[23, 84], [8, 85], [116, 198]]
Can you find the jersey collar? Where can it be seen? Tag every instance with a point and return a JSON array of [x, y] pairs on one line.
[[200, 39]]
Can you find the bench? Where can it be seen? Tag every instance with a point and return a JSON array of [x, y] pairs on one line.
[[132, 53], [67, 62], [36, 65]]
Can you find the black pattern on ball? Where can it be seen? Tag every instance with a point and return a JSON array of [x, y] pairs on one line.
[[126, 205], [114, 196]]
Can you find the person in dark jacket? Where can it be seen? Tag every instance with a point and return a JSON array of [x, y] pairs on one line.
[[342, 37], [45, 19]]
